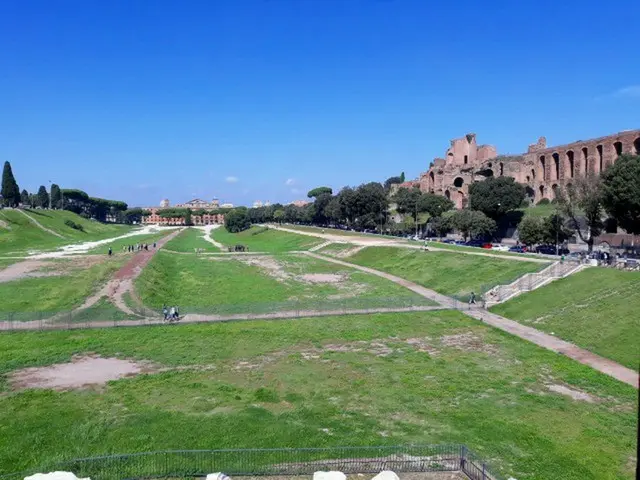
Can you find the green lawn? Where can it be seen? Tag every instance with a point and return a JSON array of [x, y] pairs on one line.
[[597, 309], [462, 248], [338, 231], [254, 284], [57, 293], [103, 310], [24, 235], [189, 240], [421, 378], [264, 239], [448, 273]]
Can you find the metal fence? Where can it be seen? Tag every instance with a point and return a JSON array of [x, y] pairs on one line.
[[276, 462]]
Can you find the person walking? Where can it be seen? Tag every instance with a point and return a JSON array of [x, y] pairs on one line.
[[165, 312], [172, 313], [110, 251], [472, 298]]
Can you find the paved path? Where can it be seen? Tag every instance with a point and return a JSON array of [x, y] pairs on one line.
[[389, 242], [207, 236], [541, 339], [201, 318]]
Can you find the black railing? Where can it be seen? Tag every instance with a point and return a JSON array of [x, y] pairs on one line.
[[278, 461]]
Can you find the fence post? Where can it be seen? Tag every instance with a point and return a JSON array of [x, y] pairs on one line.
[[484, 477], [463, 455]]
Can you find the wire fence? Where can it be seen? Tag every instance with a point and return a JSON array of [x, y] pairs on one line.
[[276, 462]]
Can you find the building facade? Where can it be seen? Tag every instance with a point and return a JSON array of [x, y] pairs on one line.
[[156, 219], [542, 169], [198, 204]]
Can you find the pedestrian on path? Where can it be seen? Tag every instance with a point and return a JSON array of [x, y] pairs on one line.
[[110, 251], [472, 298]]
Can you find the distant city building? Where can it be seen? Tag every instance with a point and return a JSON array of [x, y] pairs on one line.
[[164, 203], [197, 204], [300, 203], [257, 204], [206, 219], [226, 205]]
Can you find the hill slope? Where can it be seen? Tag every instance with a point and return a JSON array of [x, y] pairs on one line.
[[21, 231]]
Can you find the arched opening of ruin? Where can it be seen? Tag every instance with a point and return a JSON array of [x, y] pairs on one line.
[[585, 160], [447, 194], [501, 168], [533, 174], [458, 182], [636, 145], [570, 164], [530, 193], [528, 179], [554, 189], [466, 159], [556, 166], [600, 159], [617, 146], [542, 167], [541, 188], [432, 181]]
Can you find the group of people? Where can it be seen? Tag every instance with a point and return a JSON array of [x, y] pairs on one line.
[[137, 247], [170, 314]]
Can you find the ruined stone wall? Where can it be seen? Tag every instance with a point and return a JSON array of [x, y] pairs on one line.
[[542, 169]]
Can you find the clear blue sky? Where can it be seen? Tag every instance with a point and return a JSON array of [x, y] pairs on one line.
[[141, 100]]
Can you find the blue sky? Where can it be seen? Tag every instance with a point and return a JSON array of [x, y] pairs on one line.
[[246, 100]]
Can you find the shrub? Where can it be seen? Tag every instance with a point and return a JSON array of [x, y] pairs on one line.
[[74, 225], [544, 201]]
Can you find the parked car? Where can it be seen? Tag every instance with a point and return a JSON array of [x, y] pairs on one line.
[[500, 248], [474, 243], [487, 246], [518, 249]]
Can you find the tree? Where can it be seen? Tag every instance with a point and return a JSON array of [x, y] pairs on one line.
[[555, 230], [278, 215], [333, 210], [472, 223], [441, 225], [371, 205], [43, 197], [407, 201], [24, 198], [402, 177], [10, 191], [56, 196], [496, 196], [187, 218], [237, 220], [348, 198], [434, 205], [583, 199], [392, 181], [531, 230], [322, 200], [621, 192], [319, 191]]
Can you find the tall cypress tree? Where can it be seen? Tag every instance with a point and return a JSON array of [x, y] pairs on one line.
[[56, 196], [24, 198], [10, 191], [43, 197]]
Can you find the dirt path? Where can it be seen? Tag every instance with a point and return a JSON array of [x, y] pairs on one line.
[[38, 224], [201, 318], [541, 339], [122, 281], [20, 270], [207, 236], [388, 242]]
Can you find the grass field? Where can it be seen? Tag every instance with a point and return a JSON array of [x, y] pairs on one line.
[[338, 231], [24, 235], [189, 240], [67, 290], [597, 309], [255, 284], [462, 248], [433, 377], [264, 239], [448, 273]]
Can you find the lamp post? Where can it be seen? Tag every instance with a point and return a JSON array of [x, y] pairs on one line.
[[50, 194]]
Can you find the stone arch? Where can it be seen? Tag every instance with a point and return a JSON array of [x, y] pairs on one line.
[[569, 168], [542, 192], [458, 182], [530, 194], [556, 166], [617, 148], [585, 160], [466, 159], [636, 145], [542, 167], [432, 180], [600, 163], [447, 194], [554, 190], [533, 174], [501, 168]]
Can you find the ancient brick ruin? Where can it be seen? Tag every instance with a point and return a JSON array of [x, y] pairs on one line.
[[542, 169]]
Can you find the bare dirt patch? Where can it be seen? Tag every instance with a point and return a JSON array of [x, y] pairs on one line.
[[82, 371], [572, 392], [323, 277], [468, 342], [269, 265]]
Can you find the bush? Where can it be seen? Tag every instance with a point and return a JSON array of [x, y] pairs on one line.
[[260, 230], [544, 201], [74, 225]]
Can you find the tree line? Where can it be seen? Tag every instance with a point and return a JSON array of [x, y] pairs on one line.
[[74, 200]]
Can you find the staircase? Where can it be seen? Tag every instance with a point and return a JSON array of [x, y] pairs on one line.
[[531, 281]]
